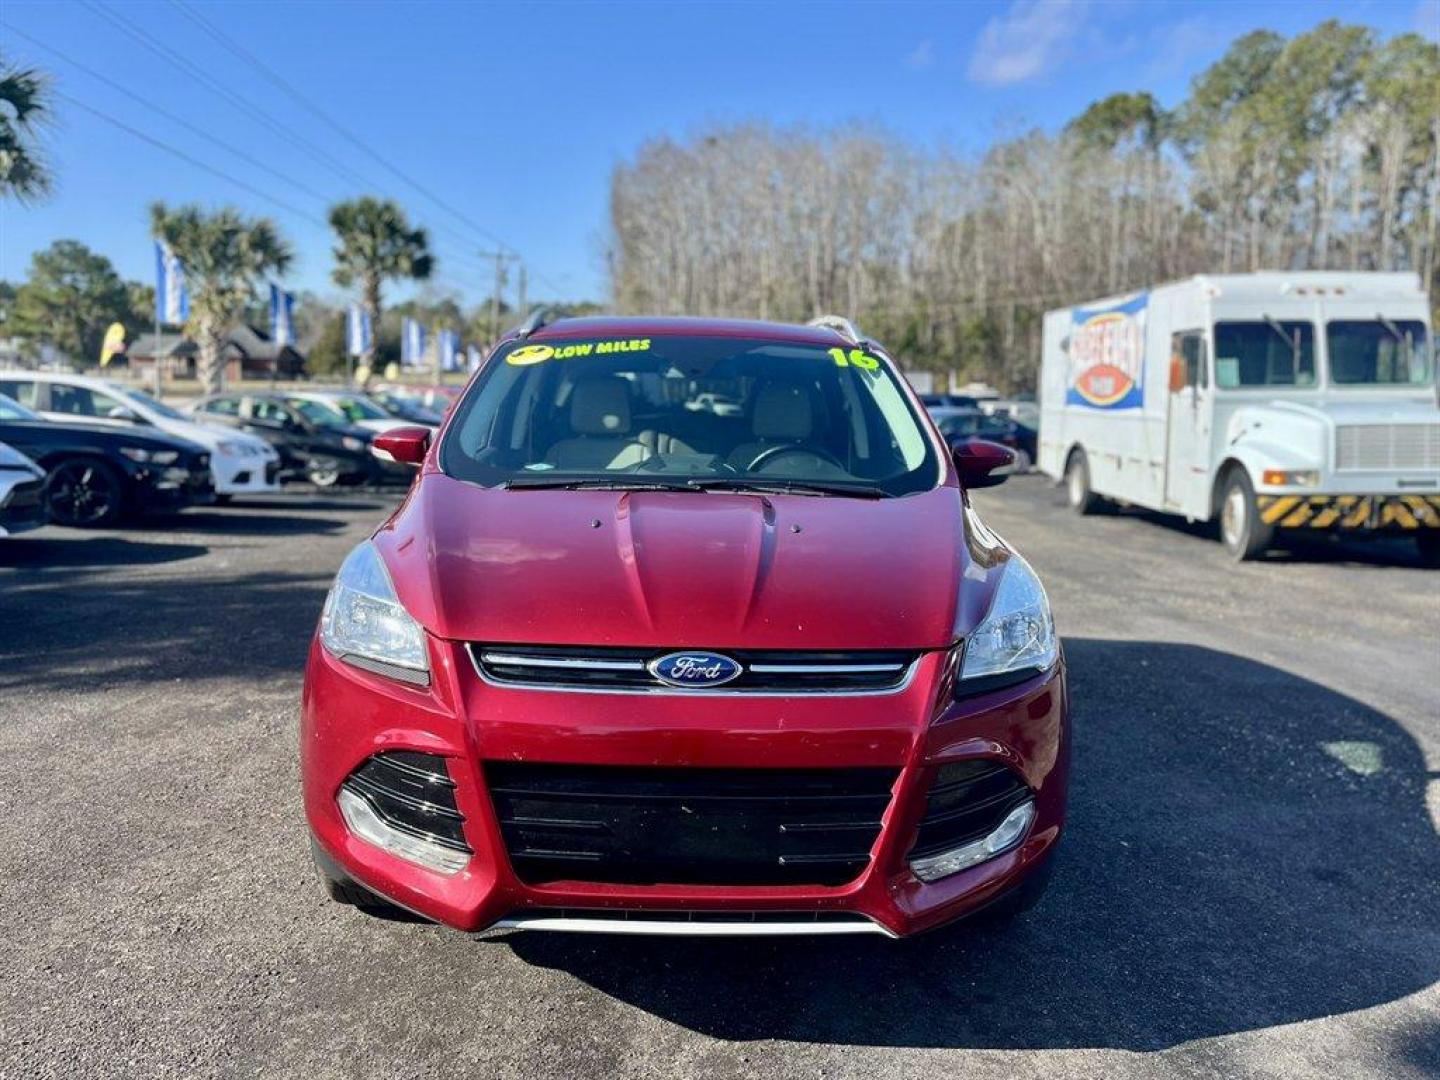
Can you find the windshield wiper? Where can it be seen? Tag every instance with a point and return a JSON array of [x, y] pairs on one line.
[[791, 487], [597, 483]]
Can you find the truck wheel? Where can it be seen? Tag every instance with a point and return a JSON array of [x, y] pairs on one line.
[[1077, 486], [1428, 544], [1242, 531]]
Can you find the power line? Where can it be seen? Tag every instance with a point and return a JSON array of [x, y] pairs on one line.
[[283, 84], [259, 115], [204, 78], [183, 156], [194, 129]]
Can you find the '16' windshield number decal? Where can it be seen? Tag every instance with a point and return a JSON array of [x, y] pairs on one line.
[[855, 358]]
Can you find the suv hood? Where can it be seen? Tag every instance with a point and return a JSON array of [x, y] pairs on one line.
[[675, 569]]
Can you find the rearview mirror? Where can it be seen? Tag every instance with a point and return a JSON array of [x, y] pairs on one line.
[[407, 445], [982, 463]]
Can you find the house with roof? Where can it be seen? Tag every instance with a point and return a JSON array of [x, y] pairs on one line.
[[249, 354]]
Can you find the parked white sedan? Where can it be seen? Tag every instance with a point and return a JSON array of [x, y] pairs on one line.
[[241, 464]]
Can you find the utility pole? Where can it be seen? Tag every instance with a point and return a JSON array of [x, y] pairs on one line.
[[521, 307], [501, 258]]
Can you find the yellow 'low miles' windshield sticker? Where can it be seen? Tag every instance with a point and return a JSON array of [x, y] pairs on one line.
[[535, 354]]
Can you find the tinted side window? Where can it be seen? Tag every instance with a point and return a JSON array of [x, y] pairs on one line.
[[1187, 353], [269, 410], [21, 390], [223, 406], [82, 401], [1264, 353]]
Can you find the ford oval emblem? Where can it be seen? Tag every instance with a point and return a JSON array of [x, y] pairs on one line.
[[695, 670]]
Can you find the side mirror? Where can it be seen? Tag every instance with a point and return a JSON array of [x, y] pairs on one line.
[[982, 463], [407, 445], [120, 412]]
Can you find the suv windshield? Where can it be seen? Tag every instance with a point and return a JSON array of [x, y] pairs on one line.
[[318, 414], [1379, 352], [357, 409], [1268, 352], [689, 411], [154, 405]]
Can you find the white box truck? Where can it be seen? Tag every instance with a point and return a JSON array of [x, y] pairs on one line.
[[1273, 400]]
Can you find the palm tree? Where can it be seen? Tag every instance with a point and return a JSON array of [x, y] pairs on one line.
[[226, 257], [24, 107], [376, 243]]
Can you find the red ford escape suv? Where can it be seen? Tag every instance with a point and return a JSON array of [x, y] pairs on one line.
[[687, 627]]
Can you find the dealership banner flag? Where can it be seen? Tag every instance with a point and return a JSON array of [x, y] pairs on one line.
[[357, 331], [412, 343], [449, 350], [282, 316], [473, 354], [172, 299]]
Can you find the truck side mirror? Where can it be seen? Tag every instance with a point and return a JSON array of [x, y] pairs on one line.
[[982, 463], [407, 445]]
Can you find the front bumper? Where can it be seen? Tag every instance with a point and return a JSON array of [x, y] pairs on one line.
[[254, 475], [22, 504], [349, 715], [1350, 513]]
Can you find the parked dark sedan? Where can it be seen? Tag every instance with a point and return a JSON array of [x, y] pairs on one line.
[[406, 407], [96, 475], [315, 443], [960, 424]]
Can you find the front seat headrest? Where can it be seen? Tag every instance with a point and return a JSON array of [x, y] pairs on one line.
[[600, 405]]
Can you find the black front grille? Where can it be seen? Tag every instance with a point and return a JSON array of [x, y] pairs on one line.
[[688, 826], [773, 671], [412, 792], [968, 800]]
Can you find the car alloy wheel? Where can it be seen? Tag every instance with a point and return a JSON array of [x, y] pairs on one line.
[[83, 493], [324, 472]]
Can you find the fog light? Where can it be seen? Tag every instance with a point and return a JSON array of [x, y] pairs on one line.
[[1291, 477], [1006, 835], [365, 823]]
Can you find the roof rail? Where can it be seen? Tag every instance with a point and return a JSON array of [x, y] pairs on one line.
[[537, 318], [841, 325]]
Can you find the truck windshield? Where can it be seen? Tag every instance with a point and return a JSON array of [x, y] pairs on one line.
[[1266, 352], [1379, 352], [691, 412]]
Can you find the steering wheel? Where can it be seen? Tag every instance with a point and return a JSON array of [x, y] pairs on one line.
[[774, 452]]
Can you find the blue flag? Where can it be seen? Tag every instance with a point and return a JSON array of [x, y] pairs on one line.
[[449, 350], [172, 299], [473, 354], [357, 331], [412, 343], [282, 317]]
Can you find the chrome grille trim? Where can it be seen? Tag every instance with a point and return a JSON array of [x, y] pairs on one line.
[[691, 924], [633, 676], [1379, 447]]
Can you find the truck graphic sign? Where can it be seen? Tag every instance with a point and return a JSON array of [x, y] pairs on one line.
[[1107, 356]]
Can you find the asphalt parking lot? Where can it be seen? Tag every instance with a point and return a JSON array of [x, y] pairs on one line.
[[1250, 885]]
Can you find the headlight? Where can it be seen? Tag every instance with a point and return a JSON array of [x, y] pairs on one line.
[[1292, 477], [364, 624], [232, 448], [349, 442], [1018, 633], [158, 457]]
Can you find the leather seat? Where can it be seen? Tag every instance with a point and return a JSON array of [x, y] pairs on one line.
[[783, 416], [600, 418]]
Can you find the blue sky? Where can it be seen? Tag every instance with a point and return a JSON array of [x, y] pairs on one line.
[[515, 115]]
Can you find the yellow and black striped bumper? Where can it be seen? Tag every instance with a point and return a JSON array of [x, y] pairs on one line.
[[1350, 511]]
